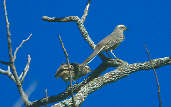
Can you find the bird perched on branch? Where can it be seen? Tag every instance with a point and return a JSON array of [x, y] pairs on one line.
[[109, 43], [76, 70]]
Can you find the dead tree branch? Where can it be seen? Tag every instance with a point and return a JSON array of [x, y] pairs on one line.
[[122, 71], [26, 69], [8, 73], [85, 11], [80, 24], [16, 50], [71, 79], [155, 73], [46, 96], [12, 65], [5, 63]]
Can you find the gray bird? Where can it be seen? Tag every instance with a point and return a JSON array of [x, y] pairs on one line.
[[109, 43]]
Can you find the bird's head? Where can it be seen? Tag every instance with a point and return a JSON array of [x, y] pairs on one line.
[[121, 27]]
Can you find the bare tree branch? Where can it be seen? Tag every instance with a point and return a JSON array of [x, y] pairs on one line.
[[16, 50], [80, 24], [9, 45], [46, 96], [85, 11], [71, 79], [12, 66], [8, 73], [112, 76], [158, 85], [26, 69], [21, 75], [122, 71], [5, 63], [101, 68], [28, 91]]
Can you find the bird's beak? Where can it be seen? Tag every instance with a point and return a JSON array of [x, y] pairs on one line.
[[126, 29]]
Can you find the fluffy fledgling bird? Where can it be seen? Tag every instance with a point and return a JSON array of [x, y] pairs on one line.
[[109, 43], [76, 70]]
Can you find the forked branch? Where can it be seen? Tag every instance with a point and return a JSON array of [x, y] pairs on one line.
[[12, 66]]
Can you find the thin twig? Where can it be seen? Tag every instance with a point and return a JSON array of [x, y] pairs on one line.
[[67, 59], [16, 50], [26, 69], [12, 66], [46, 96], [21, 75], [8, 30], [8, 73], [158, 85], [9, 45], [5, 63], [85, 11]]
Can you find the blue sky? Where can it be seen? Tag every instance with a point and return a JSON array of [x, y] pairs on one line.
[[148, 22]]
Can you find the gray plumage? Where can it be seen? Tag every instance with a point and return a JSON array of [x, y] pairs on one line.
[[109, 43]]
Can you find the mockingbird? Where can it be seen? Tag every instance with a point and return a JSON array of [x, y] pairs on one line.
[[109, 43]]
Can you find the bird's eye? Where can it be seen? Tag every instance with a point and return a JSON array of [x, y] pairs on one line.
[[122, 27]]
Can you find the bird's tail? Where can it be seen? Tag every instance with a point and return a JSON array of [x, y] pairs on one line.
[[92, 56]]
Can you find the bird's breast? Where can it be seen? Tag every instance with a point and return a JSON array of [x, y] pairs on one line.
[[113, 43]]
